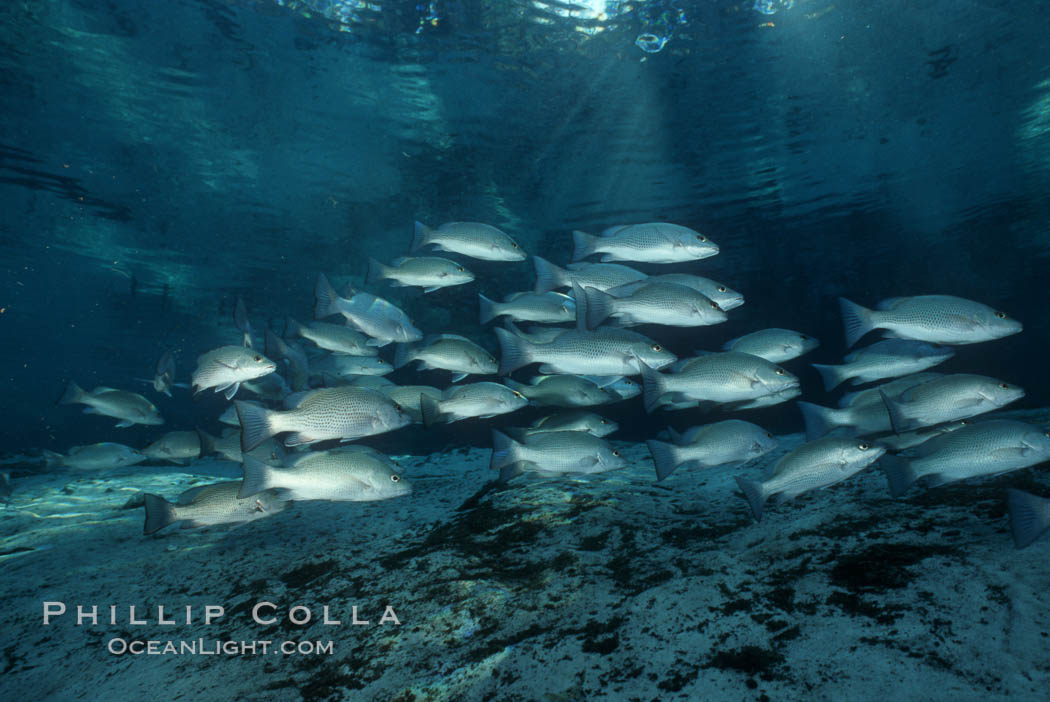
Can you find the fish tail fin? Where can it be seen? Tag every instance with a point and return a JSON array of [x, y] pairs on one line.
[[207, 443], [898, 419], [51, 459], [833, 376], [256, 424], [599, 306], [755, 494], [509, 472], [73, 394], [580, 299], [583, 245], [652, 387], [548, 275], [676, 437], [504, 450], [1029, 516], [376, 271], [665, 456], [420, 235], [430, 409], [258, 476], [292, 328], [856, 319], [326, 300], [489, 309], [819, 420], [899, 473], [404, 355], [159, 513], [514, 351]]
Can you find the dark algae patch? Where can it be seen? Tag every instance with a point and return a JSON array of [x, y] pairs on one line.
[[750, 660], [882, 567]]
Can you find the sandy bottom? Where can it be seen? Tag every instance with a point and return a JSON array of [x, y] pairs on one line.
[[610, 588]]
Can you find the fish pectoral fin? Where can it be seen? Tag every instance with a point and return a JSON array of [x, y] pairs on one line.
[[431, 289], [124, 424], [458, 377], [231, 390], [964, 402], [963, 321]]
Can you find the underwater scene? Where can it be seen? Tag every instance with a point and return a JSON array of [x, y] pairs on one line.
[[524, 350]]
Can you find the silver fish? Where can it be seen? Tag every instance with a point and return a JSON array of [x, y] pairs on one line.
[[129, 407], [721, 294], [270, 387], [472, 239], [1029, 516], [294, 359], [428, 272], [94, 457], [548, 308], [891, 358], [344, 413], [575, 420], [669, 304], [409, 398], [210, 505], [450, 352], [623, 388], [472, 400], [729, 441], [910, 439], [938, 319], [563, 391], [717, 377], [892, 388], [337, 338], [376, 317], [606, 351], [601, 276], [986, 448], [652, 242], [953, 397], [175, 446], [818, 464], [858, 420], [228, 446], [226, 367], [774, 345], [358, 475], [164, 377], [340, 367], [553, 453]]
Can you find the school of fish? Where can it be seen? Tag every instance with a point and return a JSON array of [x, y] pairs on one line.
[[323, 381]]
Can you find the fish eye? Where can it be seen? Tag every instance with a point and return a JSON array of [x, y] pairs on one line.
[[769, 435], [1004, 386], [394, 477], [803, 337], [715, 306], [518, 394], [514, 244], [657, 347], [722, 288], [1000, 315], [780, 371], [398, 407], [460, 268], [1047, 433], [864, 447], [616, 453], [258, 358], [604, 421], [701, 237]]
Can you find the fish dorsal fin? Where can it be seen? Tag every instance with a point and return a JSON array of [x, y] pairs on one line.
[[433, 338], [890, 303]]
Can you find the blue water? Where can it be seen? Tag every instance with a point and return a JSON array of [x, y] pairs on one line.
[[158, 160]]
